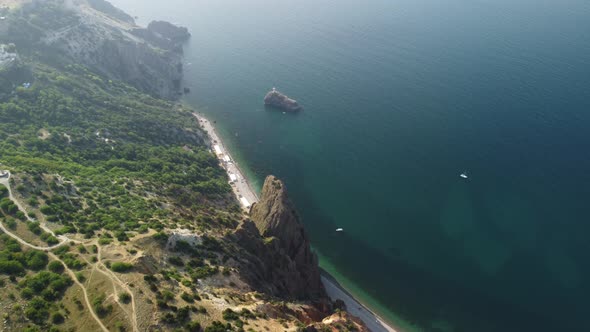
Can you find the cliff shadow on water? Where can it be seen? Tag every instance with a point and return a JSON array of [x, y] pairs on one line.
[[417, 296]]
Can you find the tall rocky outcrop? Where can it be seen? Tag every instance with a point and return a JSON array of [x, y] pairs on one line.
[[281, 259], [280, 101]]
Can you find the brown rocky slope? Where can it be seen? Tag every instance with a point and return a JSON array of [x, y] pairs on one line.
[[279, 247]]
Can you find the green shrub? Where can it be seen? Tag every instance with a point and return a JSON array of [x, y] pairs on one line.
[[216, 326], [11, 267], [121, 267], [175, 260], [36, 260], [34, 227], [187, 297], [99, 308], [57, 318], [125, 297], [229, 314], [55, 266], [193, 326], [10, 223]]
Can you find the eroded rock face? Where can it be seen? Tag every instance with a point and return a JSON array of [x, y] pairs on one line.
[[281, 260], [107, 41], [169, 31], [280, 101]]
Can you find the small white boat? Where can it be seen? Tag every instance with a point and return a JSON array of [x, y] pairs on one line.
[[339, 230], [464, 175]]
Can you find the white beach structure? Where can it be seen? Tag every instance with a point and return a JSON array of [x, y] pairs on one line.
[[233, 177], [226, 158], [244, 202], [217, 149]]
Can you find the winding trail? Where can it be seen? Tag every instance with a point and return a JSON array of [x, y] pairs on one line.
[[113, 277], [86, 299], [5, 181]]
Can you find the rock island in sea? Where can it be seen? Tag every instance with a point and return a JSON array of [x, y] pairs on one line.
[[278, 100]]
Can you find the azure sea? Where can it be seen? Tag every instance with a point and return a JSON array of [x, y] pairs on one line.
[[400, 98]]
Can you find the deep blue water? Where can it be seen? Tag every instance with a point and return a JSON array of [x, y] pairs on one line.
[[401, 97]]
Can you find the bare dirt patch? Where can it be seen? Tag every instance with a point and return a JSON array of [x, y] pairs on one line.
[[43, 134]]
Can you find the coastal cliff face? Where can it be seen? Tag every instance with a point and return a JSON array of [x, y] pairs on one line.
[[280, 101], [284, 249], [99, 36]]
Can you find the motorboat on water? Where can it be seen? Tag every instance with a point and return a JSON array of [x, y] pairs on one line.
[[464, 175], [339, 230]]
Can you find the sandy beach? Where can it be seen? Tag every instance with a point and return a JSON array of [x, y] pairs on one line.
[[246, 195], [355, 308], [240, 185]]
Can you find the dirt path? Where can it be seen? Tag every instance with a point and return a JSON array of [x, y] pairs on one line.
[[113, 277], [5, 181], [86, 299]]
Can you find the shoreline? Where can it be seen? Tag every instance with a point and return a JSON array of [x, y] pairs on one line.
[[240, 185], [242, 189], [354, 306]]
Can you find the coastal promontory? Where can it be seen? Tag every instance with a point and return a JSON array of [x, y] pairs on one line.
[[276, 99]]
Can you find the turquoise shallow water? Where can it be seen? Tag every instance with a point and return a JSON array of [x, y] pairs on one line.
[[401, 97]]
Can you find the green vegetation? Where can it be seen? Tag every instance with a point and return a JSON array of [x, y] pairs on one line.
[[175, 260], [43, 289], [47, 284], [99, 308], [193, 327], [13, 261], [187, 297], [229, 314], [3, 191], [125, 297], [203, 272], [217, 326], [94, 156], [121, 267], [8, 207]]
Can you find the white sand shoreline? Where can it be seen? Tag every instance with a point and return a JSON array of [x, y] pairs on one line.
[[240, 184], [242, 189]]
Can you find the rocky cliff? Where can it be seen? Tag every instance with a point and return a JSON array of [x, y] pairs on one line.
[[279, 247], [101, 37], [278, 100], [169, 31]]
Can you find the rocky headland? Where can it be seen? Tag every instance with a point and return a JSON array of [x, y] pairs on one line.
[[279, 247], [278, 100]]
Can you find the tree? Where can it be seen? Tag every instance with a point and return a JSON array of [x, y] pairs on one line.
[[125, 297], [193, 326], [55, 266], [57, 318]]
